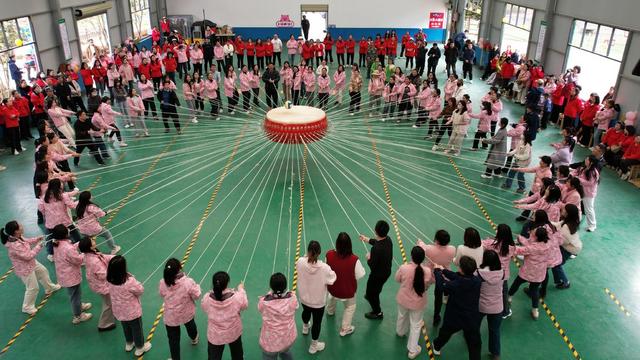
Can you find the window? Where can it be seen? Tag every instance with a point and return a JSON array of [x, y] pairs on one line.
[[17, 39], [598, 49], [472, 17], [140, 18], [516, 29]]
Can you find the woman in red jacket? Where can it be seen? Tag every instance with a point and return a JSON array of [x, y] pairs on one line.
[[239, 46], [410, 54], [340, 50], [22, 105], [363, 45], [391, 44], [572, 109], [630, 157], [557, 100], [87, 77], [328, 48], [260, 53], [12, 124], [307, 53], [381, 50], [156, 72], [268, 51], [591, 107], [251, 52], [99, 74], [351, 49], [39, 116]]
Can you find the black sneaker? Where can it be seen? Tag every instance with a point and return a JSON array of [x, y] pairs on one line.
[[521, 218], [374, 316], [563, 286], [108, 328]]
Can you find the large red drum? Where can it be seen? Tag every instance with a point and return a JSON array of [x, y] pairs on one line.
[[295, 125]]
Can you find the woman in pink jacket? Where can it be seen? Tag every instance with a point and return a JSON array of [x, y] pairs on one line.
[[69, 272], [88, 214], [313, 278], [572, 192], [126, 73], [324, 86], [125, 292], [286, 75], [190, 92], [135, 106], [148, 96], [22, 254], [55, 205], [218, 54], [292, 49], [543, 170], [434, 109], [179, 293], [589, 178], [485, 117], [196, 55], [210, 92], [223, 306], [422, 98], [412, 300], [376, 88], [182, 59], [491, 303], [537, 255], [551, 203], [108, 116], [245, 87], [278, 309], [309, 80], [112, 75], [450, 86], [255, 85], [59, 116], [340, 81], [230, 90], [96, 270], [504, 246], [296, 79]]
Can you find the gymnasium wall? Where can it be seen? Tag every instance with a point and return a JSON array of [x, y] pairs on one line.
[[356, 17], [621, 14]]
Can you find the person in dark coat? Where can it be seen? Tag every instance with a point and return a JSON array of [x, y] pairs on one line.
[[450, 57], [498, 151], [271, 77], [462, 312], [168, 102], [379, 261], [434, 55], [532, 118], [421, 57], [207, 54], [16, 73], [305, 27]]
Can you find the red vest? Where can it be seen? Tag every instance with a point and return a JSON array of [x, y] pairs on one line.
[[345, 268]]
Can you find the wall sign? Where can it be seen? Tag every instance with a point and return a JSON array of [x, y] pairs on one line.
[[64, 37], [284, 22], [436, 20], [540, 45]]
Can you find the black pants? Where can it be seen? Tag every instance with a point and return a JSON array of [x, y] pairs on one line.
[[182, 67], [317, 313], [197, 68], [272, 96], [165, 119], [351, 59], [438, 293], [199, 102], [173, 333], [256, 94], [221, 67], [451, 68], [251, 60], [246, 99], [381, 59], [25, 130], [261, 62], [493, 127], [133, 332], [328, 56], [467, 70], [228, 61], [340, 59], [93, 150], [404, 106], [533, 290], [471, 334], [362, 59], [409, 60], [323, 98], [207, 64], [278, 56], [422, 116], [13, 135], [585, 135], [568, 121], [545, 119], [232, 101], [476, 139], [354, 104], [319, 59], [215, 351], [420, 66], [149, 104], [625, 164], [296, 97], [441, 131], [431, 67], [115, 132], [214, 107], [156, 83], [374, 288], [402, 47], [555, 113], [240, 58], [37, 120]]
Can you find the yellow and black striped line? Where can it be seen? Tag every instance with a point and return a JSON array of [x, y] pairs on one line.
[[394, 221], [94, 183], [203, 218], [552, 317], [303, 174], [111, 217], [6, 275], [611, 296]]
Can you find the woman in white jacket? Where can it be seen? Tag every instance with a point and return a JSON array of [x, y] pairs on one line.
[[313, 278]]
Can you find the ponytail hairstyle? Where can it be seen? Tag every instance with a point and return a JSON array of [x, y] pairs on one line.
[[343, 245], [564, 171], [577, 184], [54, 190], [9, 231], [491, 260], [572, 218], [486, 106], [542, 235], [171, 270], [591, 170], [546, 182], [60, 232], [117, 270], [86, 245], [571, 142], [278, 284], [504, 238], [540, 219], [84, 200], [220, 282], [554, 194], [472, 238], [417, 257], [313, 252]]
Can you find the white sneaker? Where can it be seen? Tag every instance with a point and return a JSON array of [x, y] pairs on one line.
[[146, 347], [30, 311], [415, 126], [137, 135], [316, 346], [413, 355], [591, 229], [435, 352], [23, 148], [146, 134], [128, 347], [232, 112], [194, 120], [123, 144], [305, 329], [535, 314], [434, 148], [126, 126], [383, 119], [348, 331], [370, 115], [85, 306], [351, 114], [53, 289], [15, 152], [2, 168], [82, 318], [115, 250], [50, 258], [470, 81], [485, 176]]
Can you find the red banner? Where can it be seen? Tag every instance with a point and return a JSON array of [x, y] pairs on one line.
[[436, 20]]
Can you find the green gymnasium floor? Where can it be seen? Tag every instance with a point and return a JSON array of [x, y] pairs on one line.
[[223, 197]]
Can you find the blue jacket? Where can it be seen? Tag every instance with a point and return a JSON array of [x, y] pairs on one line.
[[464, 298], [468, 54], [16, 74]]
